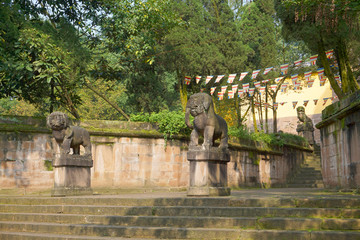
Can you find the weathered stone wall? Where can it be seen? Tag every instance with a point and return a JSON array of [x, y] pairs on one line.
[[133, 158], [340, 143]]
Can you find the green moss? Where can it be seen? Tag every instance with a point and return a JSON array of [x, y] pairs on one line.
[[48, 165]]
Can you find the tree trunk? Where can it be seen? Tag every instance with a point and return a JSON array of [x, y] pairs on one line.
[[253, 115], [327, 70]]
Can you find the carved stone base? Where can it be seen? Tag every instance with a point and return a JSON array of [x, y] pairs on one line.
[[208, 172], [72, 175]]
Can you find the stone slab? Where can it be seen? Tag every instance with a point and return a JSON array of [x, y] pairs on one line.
[[212, 154], [73, 160]]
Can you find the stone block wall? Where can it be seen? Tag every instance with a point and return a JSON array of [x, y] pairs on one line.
[[135, 159], [340, 143]]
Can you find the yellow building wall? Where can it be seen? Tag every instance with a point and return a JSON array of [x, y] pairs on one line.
[[286, 114]]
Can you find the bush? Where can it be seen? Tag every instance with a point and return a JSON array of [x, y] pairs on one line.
[[169, 123], [278, 139]]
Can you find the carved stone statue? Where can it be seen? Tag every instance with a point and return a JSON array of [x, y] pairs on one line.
[[206, 123], [72, 175], [68, 136], [305, 127]]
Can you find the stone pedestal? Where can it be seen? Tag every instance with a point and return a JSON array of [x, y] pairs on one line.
[[72, 175], [208, 172]]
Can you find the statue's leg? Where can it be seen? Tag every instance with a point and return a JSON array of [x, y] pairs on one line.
[[76, 150], [66, 145], [88, 149], [208, 137], [194, 138]]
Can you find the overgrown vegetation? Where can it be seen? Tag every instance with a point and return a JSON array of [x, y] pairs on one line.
[[172, 123]]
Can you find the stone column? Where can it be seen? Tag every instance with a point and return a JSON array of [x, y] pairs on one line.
[[208, 172], [72, 175]]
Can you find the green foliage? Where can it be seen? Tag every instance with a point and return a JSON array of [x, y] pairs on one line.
[[169, 123], [277, 139]]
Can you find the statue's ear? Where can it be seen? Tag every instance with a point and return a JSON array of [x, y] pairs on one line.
[[207, 101]]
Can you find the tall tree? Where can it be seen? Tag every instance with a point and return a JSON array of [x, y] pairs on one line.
[[208, 43], [324, 25]]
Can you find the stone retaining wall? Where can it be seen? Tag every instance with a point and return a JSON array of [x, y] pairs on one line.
[[134, 159], [340, 143]]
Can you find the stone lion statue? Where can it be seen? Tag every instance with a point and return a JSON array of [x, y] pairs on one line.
[[206, 123], [305, 127], [68, 136]]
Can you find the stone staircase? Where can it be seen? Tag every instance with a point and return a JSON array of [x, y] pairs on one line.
[[309, 175], [111, 217]]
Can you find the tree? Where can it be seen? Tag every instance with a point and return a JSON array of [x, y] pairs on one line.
[[324, 25], [208, 43]]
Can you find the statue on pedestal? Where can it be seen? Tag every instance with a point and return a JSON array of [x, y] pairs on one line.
[[72, 174], [206, 122], [68, 136], [305, 127], [208, 164]]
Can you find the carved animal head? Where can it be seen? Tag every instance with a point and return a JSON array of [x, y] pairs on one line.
[[57, 121], [197, 104], [301, 114]]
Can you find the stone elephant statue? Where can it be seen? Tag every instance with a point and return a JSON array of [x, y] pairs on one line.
[[206, 122]]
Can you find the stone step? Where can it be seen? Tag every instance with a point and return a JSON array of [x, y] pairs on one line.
[[302, 185], [173, 232], [131, 203], [312, 212], [281, 223], [49, 236], [306, 181]]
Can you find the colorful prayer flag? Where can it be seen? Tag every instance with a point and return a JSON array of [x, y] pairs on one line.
[[208, 78], [262, 89], [257, 84], [251, 91], [276, 105], [294, 103], [297, 85], [240, 92], [273, 87], [306, 102], [325, 100], [282, 103], [313, 59], [267, 70], [284, 69], [223, 89], [294, 78], [316, 101], [307, 75], [283, 86], [320, 72], [231, 78], [257, 104], [234, 88], [266, 105], [297, 63], [187, 80], [212, 90], [246, 87], [242, 75], [230, 94], [330, 53], [219, 77], [310, 83], [220, 95], [265, 81], [278, 79], [198, 78], [255, 73]]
